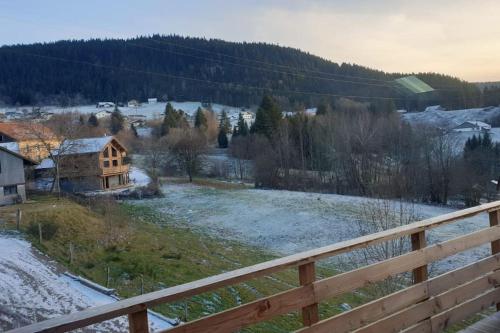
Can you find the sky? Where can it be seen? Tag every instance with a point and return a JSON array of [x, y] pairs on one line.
[[456, 37]]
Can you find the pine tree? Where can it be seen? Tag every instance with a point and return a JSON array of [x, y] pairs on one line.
[[199, 119], [93, 121], [222, 139], [267, 118], [117, 120], [173, 119], [224, 123], [235, 132], [81, 120], [242, 126]]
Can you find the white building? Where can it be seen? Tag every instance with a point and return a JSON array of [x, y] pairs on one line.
[[105, 105], [103, 114], [133, 103], [473, 126], [152, 100]]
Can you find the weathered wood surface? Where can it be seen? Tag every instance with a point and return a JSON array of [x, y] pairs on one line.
[[315, 292], [377, 309], [490, 324]]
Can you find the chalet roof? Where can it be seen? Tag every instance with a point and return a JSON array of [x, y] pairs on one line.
[[26, 131], [87, 145], [12, 146], [474, 123], [25, 159]]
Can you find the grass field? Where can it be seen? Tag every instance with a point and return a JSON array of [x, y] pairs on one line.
[[142, 255]]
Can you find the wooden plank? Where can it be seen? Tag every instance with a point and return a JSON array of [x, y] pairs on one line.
[[266, 308], [489, 324], [360, 277], [464, 310], [138, 322], [307, 275], [377, 309], [110, 311], [494, 218], [421, 312], [418, 242]]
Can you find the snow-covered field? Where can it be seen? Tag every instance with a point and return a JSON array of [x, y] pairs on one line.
[[151, 111], [452, 118], [33, 288], [286, 222]]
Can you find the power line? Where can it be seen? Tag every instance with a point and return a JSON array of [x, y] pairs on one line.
[[210, 82], [260, 62], [263, 69]]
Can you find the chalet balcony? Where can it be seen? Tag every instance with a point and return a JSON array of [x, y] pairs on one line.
[[113, 170], [427, 304]]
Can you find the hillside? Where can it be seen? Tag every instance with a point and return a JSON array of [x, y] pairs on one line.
[[182, 68]]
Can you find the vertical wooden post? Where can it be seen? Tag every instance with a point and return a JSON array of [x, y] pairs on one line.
[[138, 322], [418, 242], [495, 245], [40, 232], [307, 275], [18, 218]]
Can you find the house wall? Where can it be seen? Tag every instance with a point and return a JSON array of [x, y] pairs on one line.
[[11, 174]]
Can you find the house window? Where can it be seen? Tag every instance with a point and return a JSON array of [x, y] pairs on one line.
[[106, 152], [115, 162], [10, 190], [114, 152], [106, 164]]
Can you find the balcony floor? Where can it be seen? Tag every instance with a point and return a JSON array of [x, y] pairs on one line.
[[489, 324]]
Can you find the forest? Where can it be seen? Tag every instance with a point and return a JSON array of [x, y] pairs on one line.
[[75, 72]]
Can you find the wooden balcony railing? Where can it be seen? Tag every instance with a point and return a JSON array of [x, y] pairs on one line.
[[115, 169], [429, 305]]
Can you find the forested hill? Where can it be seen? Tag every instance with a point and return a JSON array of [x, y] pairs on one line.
[[180, 68]]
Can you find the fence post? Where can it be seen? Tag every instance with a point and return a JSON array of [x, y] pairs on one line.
[[18, 218], [418, 242], [307, 275], [495, 245], [138, 322]]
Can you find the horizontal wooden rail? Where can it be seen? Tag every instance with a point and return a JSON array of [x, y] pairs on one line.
[[305, 296]]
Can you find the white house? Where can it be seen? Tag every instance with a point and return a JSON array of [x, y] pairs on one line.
[[133, 103], [105, 105], [152, 100], [473, 126], [103, 114]]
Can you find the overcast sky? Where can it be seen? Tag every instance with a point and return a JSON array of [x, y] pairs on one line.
[[457, 37]]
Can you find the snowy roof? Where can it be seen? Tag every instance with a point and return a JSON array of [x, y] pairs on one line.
[[85, 146], [12, 146], [46, 163], [476, 123]]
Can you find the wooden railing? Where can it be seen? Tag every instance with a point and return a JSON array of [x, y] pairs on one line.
[[429, 305]]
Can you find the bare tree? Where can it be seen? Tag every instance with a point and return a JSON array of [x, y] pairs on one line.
[[156, 156], [380, 215], [188, 146]]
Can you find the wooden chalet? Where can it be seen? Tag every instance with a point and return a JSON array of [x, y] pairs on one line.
[[34, 141], [92, 164]]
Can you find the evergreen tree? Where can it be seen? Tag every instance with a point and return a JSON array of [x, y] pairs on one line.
[[242, 126], [235, 132], [81, 120], [224, 123], [93, 121], [199, 119], [172, 119], [116, 121], [323, 108], [222, 139], [267, 118]]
